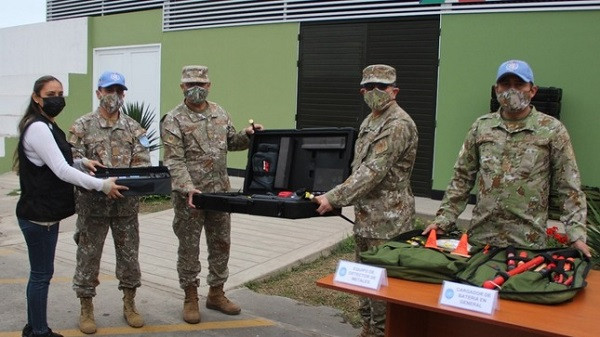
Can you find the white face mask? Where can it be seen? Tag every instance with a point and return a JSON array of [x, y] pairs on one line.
[[513, 100], [111, 102]]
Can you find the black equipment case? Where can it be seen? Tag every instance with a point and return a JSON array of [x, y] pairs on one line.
[[282, 166], [149, 180]]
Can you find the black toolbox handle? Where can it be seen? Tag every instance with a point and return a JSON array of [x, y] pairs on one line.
[[240, 201]]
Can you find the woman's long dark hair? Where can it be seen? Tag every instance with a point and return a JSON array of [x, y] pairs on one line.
[[32, 111]]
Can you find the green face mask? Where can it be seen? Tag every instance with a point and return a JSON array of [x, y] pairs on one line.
[[377, 99]]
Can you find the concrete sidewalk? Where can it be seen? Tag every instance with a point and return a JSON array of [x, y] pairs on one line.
[[261, 246]]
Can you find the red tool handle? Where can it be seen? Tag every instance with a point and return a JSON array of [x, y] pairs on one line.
[[510, 258], [499, 280]]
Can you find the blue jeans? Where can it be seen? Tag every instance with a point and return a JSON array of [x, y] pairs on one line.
[[41, 245]]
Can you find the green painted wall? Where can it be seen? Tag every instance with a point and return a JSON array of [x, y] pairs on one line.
[[252, 69], [10, 144], [562, 48]]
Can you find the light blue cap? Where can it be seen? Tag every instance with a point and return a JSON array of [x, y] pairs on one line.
[[109, 78], [516, 67]]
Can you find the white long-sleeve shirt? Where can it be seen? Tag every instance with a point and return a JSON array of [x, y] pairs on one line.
[[41, 149]]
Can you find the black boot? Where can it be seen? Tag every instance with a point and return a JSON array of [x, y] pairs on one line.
[[48, 333], [27, 331]]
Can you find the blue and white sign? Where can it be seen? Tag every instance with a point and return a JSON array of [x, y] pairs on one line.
[[469, 297], [360, 275]]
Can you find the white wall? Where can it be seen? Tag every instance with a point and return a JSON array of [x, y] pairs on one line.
[[30, 51]]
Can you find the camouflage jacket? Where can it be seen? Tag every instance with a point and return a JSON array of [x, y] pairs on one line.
[[114, 144], [196, 145], [379, 186], [517, 162]]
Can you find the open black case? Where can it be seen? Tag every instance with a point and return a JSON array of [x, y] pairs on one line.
[[148, 180], [282, 166]]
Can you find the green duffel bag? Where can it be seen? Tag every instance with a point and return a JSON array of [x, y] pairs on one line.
[[555, 275], [406, 257]]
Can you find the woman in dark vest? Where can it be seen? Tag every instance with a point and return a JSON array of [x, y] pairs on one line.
[[47, 174]]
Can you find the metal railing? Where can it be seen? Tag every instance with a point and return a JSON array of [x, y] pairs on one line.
[[67, 9], [194, 14]]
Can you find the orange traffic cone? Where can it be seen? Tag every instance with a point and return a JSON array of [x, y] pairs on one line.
[[462, 248], [432, 240]]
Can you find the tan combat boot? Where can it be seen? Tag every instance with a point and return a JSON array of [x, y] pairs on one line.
[[133, 318], [87, 324], [216, 300], [191, 313]]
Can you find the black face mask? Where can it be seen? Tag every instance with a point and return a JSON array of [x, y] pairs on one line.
[[53, 105]]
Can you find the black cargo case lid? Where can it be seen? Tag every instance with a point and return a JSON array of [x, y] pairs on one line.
[[315, 159]]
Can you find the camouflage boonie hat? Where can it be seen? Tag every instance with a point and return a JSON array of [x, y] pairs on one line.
[[194, 74], [378, 73]]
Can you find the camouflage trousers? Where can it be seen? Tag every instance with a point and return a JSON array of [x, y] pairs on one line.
[[371, 311], [92, 232], [187, 225]]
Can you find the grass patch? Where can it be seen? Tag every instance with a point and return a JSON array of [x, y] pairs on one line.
[[154, 203], [299, 284]]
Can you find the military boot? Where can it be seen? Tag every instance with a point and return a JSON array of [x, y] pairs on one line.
[[87, 324], [133, 318], [191, 312], [216, 300]]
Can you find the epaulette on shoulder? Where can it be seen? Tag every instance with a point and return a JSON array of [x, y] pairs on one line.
[[489, 115]]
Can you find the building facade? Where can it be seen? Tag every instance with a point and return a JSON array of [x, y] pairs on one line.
[[296, 64]]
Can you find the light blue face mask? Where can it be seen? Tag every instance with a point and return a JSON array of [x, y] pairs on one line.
[[196, 95]]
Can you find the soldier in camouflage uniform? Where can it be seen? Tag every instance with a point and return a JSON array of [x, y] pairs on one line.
[[379, 186], [115, 140], [519, 153], [196, 136]]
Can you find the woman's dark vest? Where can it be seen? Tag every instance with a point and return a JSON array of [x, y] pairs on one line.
[[44, 197]]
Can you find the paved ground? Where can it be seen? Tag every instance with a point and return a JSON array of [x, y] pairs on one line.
[[261, 246]]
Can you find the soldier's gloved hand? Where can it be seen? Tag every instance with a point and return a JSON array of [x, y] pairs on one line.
[[583, 247], [324, 205], [111, 189], [191, 197], [432, 226]]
